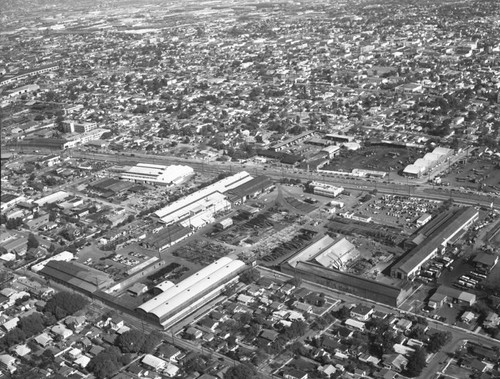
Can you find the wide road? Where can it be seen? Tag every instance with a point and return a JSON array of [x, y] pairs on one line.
[[420, 190]]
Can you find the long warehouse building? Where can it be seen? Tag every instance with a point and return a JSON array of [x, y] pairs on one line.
[[202, 201], [410, 264], [178, 301]]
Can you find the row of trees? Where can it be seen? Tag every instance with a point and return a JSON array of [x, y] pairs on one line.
[[110, 360]]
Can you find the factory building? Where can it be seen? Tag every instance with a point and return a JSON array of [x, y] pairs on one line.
[[320, 262], [166, 237], [428, 162], [157, 174], [178, 301], [198, 209], [353, 284], [446, 232], [251, 189]]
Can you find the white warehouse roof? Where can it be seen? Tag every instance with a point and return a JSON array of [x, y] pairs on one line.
[[221, 186], [157, 173], [64, 256], [202, 284], [151, 304], [163, 286]]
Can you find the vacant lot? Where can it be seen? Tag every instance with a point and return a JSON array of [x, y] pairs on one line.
[[201, 252], [379, 158]]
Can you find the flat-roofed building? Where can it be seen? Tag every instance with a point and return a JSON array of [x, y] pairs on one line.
[[325, 189], [345, 282], [157, 174], [408, 266], [166, 237], [76, 276], [251, 189]]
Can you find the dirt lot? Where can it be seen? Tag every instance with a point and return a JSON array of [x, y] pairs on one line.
[[202, 252], [378, 158]]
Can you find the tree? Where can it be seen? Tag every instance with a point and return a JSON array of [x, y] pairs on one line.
[[63, 304], [151, 341], [106, 363], [130, 341], [11, 338], [417, 333], [32, 324], [32, 241], [437, 341], [242, 371], [250, 276], [416, 363], [343, 313]]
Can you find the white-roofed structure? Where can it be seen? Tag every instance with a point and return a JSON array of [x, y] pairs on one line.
[[422, 165], [181, 286], [157, 174], [202, 204], [338, 255], [312, 250], [163, 286], [325, 189], [52, 198], [176, 302], [64, 256]]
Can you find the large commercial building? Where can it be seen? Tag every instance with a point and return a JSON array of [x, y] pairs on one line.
[[320, 263], [166, 237], [250, 189], [188, 295], [76, 276], [157, 174], [353, 284], [447, 230], [422, 165], [198, 208]]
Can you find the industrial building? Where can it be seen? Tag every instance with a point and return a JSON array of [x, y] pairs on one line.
[[251, 189], [324, 189], [446, 230], [353, 284], [331, 151], [64, 256], [188, 295], [166, 237], [157, 174], [327, 252], [76, 276], [198, 208], [422, 165], [338, 256], [447, 294], [339, 138], [320, 262]]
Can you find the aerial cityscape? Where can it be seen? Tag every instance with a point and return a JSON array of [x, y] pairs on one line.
[[231, 189]]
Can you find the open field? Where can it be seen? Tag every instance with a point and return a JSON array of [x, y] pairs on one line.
[[380, 158]]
